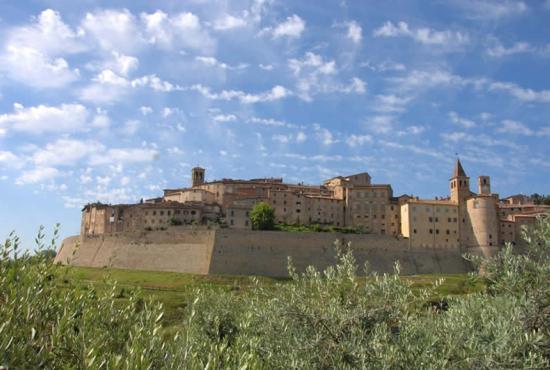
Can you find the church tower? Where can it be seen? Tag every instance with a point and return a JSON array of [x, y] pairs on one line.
[[197, 176], [460, 184]]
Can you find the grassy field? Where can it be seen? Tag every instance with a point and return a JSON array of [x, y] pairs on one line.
[[176, 290]]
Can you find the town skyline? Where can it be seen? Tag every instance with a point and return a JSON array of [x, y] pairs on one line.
[[114, 103]]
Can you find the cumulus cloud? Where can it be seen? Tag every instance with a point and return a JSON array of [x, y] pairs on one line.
[[358, 140], [43, 118], [292, 27], [464, 122], [37, 175], [8, 159], [425, 36], [124, 155], [36, 69], [65, 152], [514, 128], [213, 62], [113, 30], [220, 118], [228, 22], [315, 75], [48, 34], [380, 124], [390, 103], [491, 9], [183, 29], [276, 93], [498, 50], [355, 32], [524, 94]]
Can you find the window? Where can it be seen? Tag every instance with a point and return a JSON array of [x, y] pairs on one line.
[[193, 212], [437, 231], [154, 213], [232, 222], [430, 219], [449, 219], [414, 231], [177, 212], [232, 213], [448, 232], [162, 213], [168, 213], [436, 219], [454, 219], [431, 231]]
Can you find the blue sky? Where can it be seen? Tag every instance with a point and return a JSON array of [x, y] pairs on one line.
[[116, 100]]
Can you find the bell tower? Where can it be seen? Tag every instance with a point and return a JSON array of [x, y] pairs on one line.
[[460, 184], [197, 176], [484, 185]]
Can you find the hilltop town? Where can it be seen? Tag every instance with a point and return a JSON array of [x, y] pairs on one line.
[[463, 219]]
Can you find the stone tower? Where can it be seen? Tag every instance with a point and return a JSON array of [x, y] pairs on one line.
[[460, 184], [484, 185], [197, 176]]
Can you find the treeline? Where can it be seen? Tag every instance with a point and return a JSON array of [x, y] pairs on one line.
[[321, 319], [540, 199]]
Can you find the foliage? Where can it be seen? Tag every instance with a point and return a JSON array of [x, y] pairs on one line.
[[316, 228], [540, 199], [317, 319], [262, 216]]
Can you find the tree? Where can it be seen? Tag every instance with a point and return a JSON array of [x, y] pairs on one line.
[[262, 216]]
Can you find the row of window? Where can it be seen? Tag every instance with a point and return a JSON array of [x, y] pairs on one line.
[[448, 232], [169, 213]]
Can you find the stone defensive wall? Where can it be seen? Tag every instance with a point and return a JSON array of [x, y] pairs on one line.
[[246, 252]]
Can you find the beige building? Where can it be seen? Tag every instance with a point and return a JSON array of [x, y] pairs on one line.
[[467, 219], [464, 219]]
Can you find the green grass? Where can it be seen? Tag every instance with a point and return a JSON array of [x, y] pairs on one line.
[[177, 290]]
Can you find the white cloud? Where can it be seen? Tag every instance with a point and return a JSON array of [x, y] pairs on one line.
[[324, 136], [380, 124], [269, 122], [34, 68], [514, 127], [276, 93], [8, 159], [124, 64], [66, 152], [520, 93], [113, 30], [412, 148], [355, 32], [491, 9], [154, 82], [301, 137], [43, 118], [37, 175], [358, 140], [283, 139], [314, 63], [425, 36], [145, 110], [228, 22], [213, 62], [124, 155], [266, 67], [384, 66], [47, 35], [183, 30], [292, 27], [225, 118], [390, 103], [464, 122], [498, 50]]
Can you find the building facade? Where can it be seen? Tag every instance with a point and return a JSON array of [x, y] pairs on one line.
[[464, 219]]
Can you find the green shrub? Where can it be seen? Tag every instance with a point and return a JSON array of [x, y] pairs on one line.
[[262, 216], [319, 319]]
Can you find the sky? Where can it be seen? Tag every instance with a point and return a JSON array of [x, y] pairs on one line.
[[114, 101]]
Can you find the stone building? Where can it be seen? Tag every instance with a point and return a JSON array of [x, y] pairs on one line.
[[464, 219]]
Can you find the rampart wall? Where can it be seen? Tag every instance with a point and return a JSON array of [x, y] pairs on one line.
[[247, 252]]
